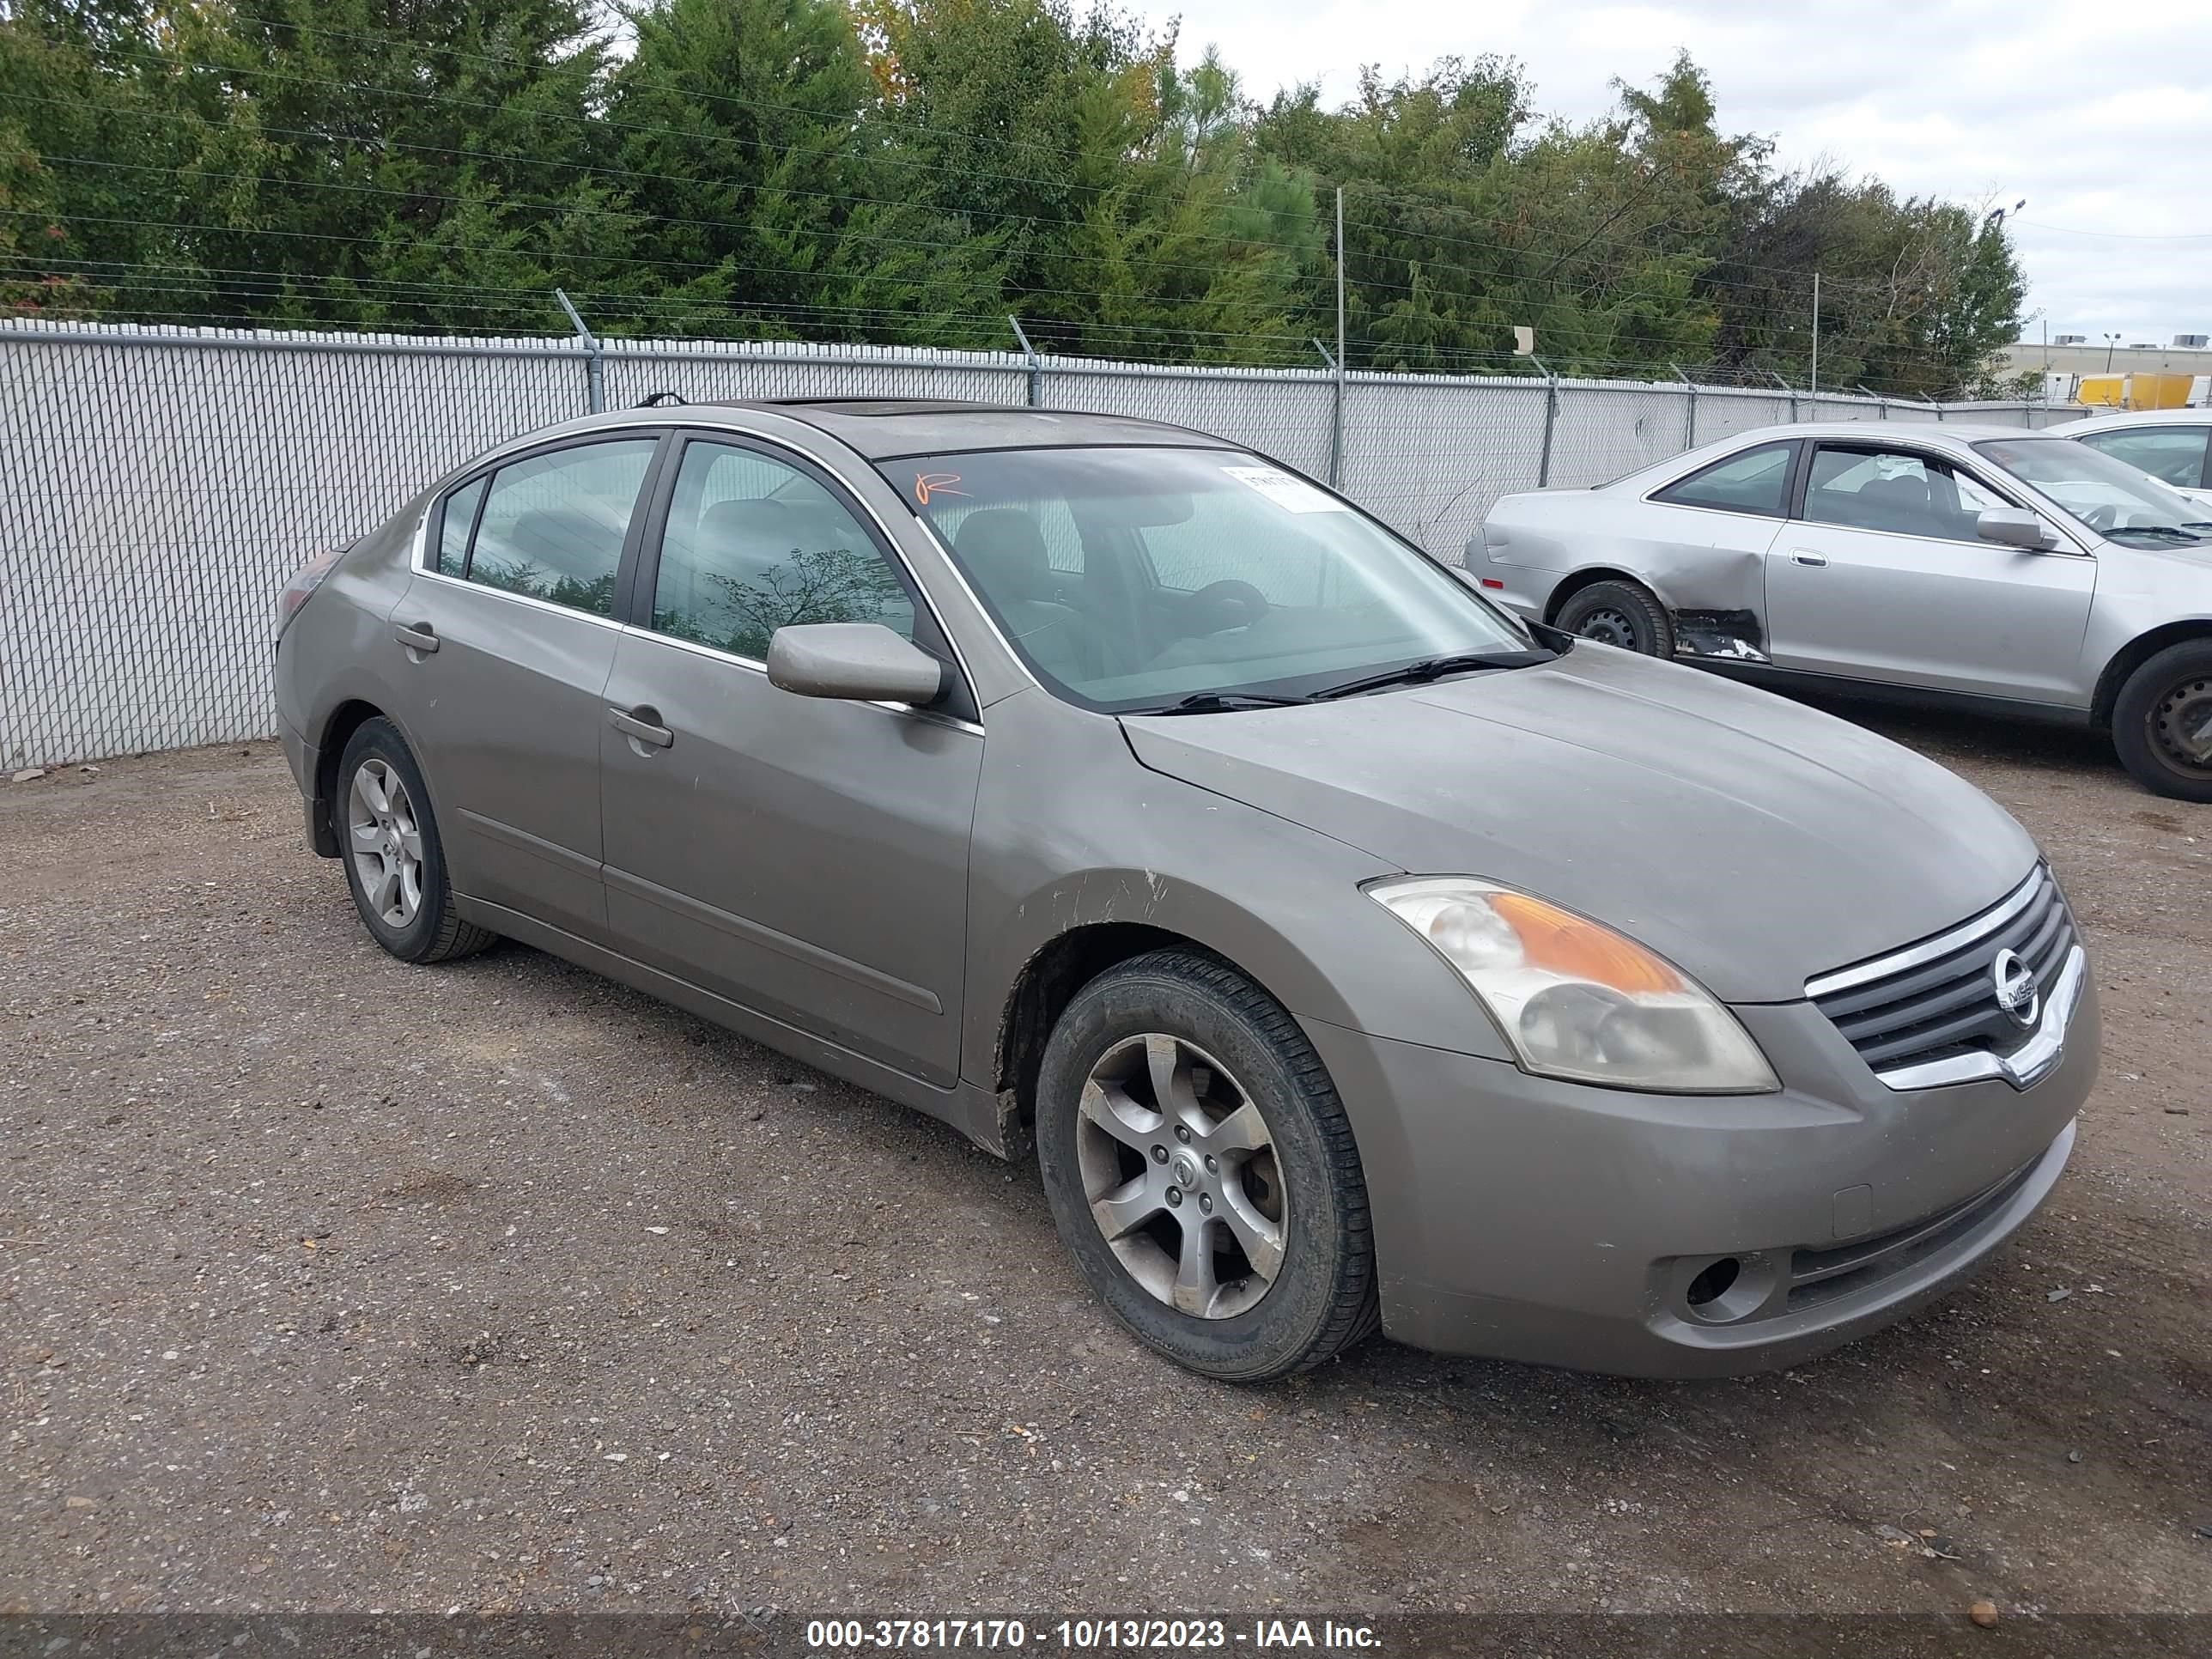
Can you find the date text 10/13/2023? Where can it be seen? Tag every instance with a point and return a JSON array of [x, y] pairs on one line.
[[1257, 1636]]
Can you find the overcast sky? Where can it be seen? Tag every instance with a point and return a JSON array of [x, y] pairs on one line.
[[2098, 114]]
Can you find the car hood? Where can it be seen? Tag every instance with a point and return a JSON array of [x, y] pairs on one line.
[[1753, 841]]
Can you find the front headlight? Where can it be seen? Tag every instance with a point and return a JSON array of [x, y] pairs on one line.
[[1577, 999]]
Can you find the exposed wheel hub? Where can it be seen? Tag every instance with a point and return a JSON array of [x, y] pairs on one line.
[[1180, 1172], [2182, 724], [1609, 627]]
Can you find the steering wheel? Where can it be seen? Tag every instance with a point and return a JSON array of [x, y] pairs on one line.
[[2101, 517], [1221, 606]]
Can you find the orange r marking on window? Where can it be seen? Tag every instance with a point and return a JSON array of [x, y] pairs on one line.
[[926, 484]]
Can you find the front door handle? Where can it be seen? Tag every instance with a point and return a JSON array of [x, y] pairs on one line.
[[1806, 555], [416, 636], [641, 724]]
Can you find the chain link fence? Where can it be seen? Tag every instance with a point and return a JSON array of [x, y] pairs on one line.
[[160, 485]]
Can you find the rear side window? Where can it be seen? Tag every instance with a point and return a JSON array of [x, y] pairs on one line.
[[1757, 481], [2174, 454], [553, 524], [459, 518]]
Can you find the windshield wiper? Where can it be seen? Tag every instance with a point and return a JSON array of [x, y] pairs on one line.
[[2188, 532], [1432, 668], [1221, 702]]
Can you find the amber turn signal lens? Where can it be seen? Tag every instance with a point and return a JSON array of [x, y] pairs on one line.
[[1562, 943]]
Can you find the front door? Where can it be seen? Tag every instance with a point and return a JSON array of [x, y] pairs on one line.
[[509, 634], [804, 857], [1881, 576]]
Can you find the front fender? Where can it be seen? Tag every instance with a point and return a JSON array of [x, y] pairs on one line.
[[1279, 901]]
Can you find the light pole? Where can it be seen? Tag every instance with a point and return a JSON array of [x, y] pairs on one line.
[[2111, 341]]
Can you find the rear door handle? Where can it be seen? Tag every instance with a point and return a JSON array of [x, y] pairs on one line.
[[1806, 555], [641, 724], [416, 636]]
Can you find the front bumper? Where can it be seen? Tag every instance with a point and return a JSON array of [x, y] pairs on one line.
[[1525, 1218]]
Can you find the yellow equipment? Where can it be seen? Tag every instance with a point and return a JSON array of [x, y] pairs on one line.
[[2134, 390]]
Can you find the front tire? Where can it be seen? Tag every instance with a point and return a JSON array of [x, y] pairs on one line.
[[1202, 1172], [2162, 722], [395, 864], [1619, 613]]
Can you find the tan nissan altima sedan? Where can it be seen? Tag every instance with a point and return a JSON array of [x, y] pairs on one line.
[[1352, 951]]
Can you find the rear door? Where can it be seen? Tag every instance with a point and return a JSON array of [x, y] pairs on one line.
[[508, 633], [1882, 576], [804, 857]]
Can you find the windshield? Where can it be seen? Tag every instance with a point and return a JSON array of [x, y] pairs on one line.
[[1137, 578], [2112, 498]]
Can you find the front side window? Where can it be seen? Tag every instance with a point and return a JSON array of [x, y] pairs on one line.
[[2115, 499], [753, 544], [553, 524], [1194, 572], [2171, 454], [1896, 491], [1757, 481]]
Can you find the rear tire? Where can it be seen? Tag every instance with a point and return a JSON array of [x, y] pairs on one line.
[[2162, 722], [388, 843], [1242, 1246], [1619, 613]]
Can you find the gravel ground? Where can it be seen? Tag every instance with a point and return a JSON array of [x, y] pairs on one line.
[[331, 1283]]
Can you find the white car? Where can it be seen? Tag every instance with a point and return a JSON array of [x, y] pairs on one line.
[[1985, 565], [2174, 445]]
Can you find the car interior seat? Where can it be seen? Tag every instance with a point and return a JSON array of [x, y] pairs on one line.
[[1901, 504], [1004, 553]]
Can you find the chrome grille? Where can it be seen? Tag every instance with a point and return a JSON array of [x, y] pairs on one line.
[[1936, 1000]]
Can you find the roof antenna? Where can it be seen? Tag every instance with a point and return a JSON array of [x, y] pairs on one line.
[[656, 400]]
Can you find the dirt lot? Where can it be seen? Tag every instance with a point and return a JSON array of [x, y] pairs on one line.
[[326, 1282]]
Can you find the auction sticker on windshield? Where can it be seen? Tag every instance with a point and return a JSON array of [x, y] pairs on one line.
[[1292, 495]]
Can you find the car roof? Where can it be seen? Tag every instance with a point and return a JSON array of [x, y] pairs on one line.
[[2184, 416], [1875, 431], [1954, 434], [883, 429]]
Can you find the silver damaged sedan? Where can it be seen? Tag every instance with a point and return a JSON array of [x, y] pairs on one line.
[[1352, 952], [2014, 572]]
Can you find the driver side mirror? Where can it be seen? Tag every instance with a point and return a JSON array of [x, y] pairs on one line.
[[2013, 526], [854, 662]]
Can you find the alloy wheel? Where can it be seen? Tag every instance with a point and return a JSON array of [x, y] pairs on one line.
[[2182, 725], [1179, 1169], [385, 839]]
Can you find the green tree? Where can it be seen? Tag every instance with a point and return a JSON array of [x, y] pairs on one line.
[[1129, 210], [89, 144], [745, 127], [357, 164], [914, 169]]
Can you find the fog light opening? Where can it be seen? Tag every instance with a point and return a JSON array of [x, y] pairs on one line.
[[1714, 1282]]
